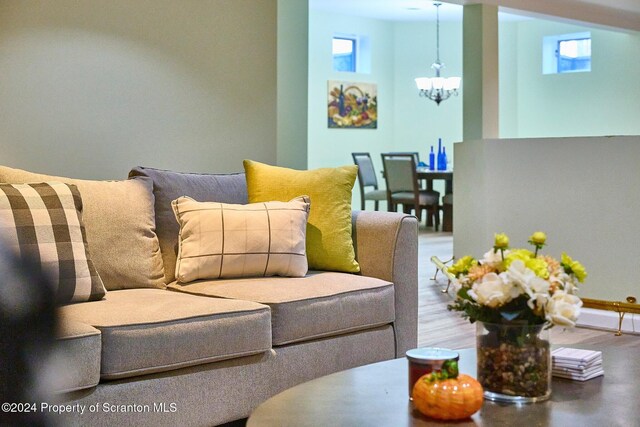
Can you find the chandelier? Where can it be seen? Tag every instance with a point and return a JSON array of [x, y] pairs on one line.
[[438, 88]]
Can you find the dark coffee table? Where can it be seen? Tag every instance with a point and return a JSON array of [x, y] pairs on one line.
[[377, 395]]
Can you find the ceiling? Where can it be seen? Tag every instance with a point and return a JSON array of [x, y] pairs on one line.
[[623, 14], [391, 10]]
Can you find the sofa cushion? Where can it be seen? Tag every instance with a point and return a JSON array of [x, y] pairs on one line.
[[44, 221], [329, 240], [120, 224], [317, 305], [168, 186], [152, 330], [225, 240], [77, 356]]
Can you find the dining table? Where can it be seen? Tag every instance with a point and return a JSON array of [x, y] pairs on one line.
[[428, 175]]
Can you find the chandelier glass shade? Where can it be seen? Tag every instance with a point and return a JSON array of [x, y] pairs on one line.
[[438, 88]]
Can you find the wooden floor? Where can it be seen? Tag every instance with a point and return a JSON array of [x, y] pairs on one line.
[[438, 327]]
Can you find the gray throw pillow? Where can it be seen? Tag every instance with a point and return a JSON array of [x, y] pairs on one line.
[[169, 185]]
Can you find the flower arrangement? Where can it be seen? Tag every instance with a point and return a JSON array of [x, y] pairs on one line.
[[518, 285]]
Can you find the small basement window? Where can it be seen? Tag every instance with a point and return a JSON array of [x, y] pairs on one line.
[[574, 55], [568, 53], [344, 54]]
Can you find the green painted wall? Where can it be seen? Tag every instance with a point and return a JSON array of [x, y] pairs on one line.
[[400, 53], [508, 83], [605, 101], [419, 122], [293, 62], [333, 147], [91, 88]]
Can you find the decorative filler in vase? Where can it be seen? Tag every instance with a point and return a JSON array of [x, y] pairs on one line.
[[516, 295]]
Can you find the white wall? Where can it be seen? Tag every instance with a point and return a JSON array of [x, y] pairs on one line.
[[583, 192], [92, 88]]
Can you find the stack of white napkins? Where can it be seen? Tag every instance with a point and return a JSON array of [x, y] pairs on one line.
[[576, 364]]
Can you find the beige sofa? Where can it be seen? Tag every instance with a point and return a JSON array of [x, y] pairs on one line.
[[209, 352]]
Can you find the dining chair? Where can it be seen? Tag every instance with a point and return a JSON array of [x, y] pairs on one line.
[[416, 155], [403, 187], [367, 178]]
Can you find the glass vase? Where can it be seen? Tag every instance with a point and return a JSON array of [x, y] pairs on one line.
[[514, 362]]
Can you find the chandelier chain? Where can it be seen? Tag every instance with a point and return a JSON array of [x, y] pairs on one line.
[[437, 5], [438, 88]]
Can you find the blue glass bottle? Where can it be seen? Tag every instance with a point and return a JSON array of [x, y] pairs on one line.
[[432, 160], [443, 163]]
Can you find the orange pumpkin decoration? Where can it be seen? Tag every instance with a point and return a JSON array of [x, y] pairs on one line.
[[445, 395]]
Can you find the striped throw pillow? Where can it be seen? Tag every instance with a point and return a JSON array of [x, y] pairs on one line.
[[44, 221], [220, 240]]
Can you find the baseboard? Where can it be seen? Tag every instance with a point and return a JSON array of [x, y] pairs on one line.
[[603, 319]]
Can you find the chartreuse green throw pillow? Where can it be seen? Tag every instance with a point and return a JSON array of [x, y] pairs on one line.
[[329, 243]]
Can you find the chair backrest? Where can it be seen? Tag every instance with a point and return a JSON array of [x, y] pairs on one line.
[[400, 172], [366, 172], [415, 154]]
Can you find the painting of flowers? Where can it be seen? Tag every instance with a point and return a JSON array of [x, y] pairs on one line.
[[352, 105]]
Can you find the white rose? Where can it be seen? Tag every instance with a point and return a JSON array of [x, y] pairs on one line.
[[563, 309], [538, 291], [565, 281], [490, 292], [511, 288]]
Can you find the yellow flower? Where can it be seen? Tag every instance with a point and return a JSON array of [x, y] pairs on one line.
[[538, 238], [538, 266], [462, 266], [570, 266], [501, 241], [522, 254], [579, 271]]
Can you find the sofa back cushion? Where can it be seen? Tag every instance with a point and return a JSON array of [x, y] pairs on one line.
[[120, 225], [169, 185], [43, 221], [221, 240]]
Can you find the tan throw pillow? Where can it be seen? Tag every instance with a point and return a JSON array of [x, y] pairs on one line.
[[43, 222], [120, 224], [219, 240]]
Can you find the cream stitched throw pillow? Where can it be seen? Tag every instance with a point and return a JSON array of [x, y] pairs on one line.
[[220, 240]]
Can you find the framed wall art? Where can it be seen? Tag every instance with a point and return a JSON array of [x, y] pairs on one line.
[[352, 105]]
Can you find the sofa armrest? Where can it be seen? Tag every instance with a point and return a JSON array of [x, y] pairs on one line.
[[386, 246]]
